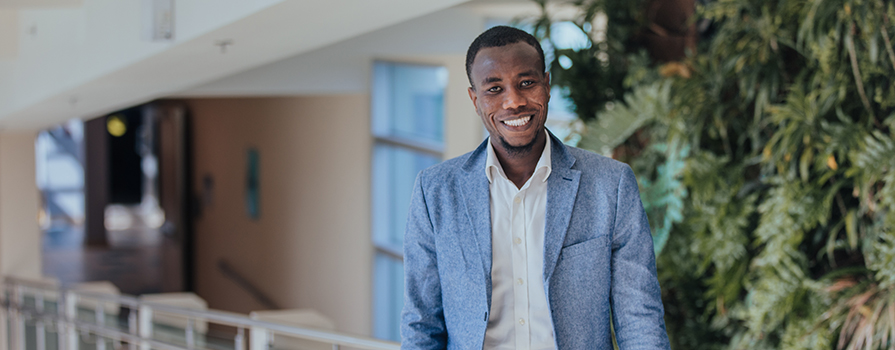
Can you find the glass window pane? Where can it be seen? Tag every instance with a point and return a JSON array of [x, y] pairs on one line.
[[407, 104], [394, 170], [408, 101], [388, 297]]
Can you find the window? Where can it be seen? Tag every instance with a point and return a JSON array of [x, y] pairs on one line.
[[60, 178], [407, 121]]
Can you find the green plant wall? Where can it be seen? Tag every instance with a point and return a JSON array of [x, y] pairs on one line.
[[766, 161]]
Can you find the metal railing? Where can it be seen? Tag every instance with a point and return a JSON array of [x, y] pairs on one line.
[[43, 309]]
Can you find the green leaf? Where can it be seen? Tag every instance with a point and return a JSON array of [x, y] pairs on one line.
[[851, 229]]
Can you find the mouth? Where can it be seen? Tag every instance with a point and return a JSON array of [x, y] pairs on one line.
[[521, 121]]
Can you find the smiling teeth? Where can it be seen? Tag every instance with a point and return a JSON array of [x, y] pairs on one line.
[[517, 122]]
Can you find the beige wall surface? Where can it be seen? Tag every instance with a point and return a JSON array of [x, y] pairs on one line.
[[311, 246], [462, 127], [20, 235]]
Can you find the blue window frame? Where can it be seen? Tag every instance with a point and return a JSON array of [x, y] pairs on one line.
[[407, 111]]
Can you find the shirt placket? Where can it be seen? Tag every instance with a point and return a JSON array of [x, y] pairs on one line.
[[520, 271]]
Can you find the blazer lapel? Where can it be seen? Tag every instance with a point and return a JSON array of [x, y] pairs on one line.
[[477, 197], [562, 188]]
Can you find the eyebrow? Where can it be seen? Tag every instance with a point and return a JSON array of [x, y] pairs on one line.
[[491, 80], [528, 73]]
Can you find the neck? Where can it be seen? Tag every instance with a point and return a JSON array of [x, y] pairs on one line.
[[519, 165]]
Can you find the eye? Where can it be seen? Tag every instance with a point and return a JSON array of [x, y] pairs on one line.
[[494, 89], [527, 83]]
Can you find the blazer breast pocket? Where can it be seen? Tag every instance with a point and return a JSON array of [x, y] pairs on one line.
[[589, 246]]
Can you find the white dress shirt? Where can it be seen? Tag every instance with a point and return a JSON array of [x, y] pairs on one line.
[[520, 316]]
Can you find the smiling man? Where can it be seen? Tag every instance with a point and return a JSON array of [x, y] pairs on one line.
[[525, 243]]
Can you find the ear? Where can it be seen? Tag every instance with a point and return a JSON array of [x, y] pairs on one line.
[[473, 97], [547, 78]]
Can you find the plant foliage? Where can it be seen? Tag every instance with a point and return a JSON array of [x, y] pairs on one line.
[[766, 161]]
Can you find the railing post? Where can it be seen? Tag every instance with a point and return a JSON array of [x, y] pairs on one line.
[[72, 329], [12, 299], [145, 326], [19, 328], [100, 315], [190, 341], [60, 331], [132, 327], [4, 315], [260, 338], [239, 340], [60, 318], [39, 329], [71, 317]]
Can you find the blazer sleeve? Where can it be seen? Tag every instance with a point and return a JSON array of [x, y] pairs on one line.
[[637, 311], [422, 320]]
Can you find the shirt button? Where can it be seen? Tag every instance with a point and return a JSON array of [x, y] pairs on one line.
[[518, 200], [522, 321], [519, 281], [517, 240]]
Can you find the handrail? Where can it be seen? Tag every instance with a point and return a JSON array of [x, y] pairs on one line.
[[260, 329], [244, 283], [102, 331]]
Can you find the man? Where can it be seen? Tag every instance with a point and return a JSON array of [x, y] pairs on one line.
[[526, 243]]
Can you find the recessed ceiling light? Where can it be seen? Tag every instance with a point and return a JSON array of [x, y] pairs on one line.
[[223, 44]]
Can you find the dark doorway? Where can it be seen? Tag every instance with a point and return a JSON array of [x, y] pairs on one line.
[[133, 226]]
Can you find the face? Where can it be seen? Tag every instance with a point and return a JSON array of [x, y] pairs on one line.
[[510, 94]]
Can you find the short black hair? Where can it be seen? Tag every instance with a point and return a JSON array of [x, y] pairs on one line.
[[496, 37]]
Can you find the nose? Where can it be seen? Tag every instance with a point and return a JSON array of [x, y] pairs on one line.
[[513, 99]]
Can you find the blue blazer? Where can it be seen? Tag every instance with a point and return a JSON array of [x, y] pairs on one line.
[[598, 256]]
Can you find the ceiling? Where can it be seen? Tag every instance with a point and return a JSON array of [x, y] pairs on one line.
[[5, 4], [91, 59], [439, 37]]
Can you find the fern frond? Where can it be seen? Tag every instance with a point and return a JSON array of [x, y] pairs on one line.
[[618, 123]]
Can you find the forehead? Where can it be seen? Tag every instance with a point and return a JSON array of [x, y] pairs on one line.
[[510, 60]]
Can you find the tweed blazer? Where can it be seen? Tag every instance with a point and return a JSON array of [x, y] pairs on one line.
[[598, 256]]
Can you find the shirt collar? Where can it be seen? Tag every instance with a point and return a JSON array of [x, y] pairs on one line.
[[493, 164]]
